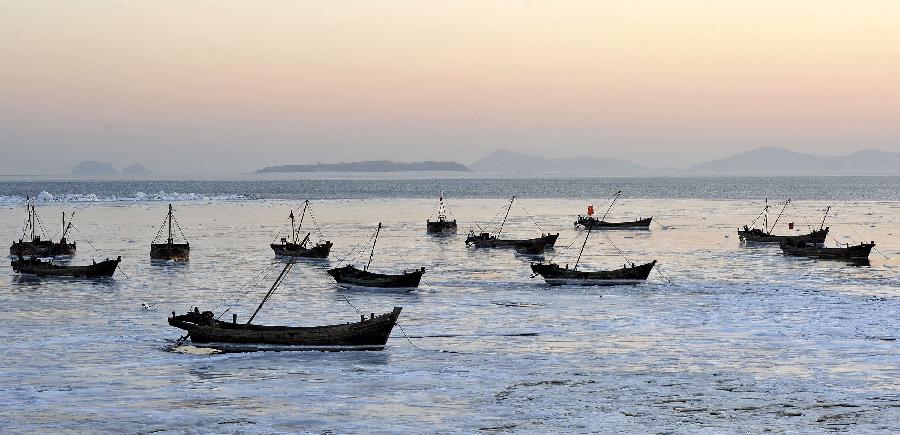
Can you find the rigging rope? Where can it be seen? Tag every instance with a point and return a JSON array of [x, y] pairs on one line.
[[354, 249], [530, 217], [267, 270]]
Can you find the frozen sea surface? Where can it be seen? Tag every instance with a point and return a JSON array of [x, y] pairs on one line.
[[743, 340]]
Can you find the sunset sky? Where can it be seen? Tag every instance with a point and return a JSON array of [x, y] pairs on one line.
[[231, 86]]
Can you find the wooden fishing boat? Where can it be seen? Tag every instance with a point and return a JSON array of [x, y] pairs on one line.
[[361, 277], [765, 235], [800, 248], [592, 222], [442, 225], [292, 247], [170, 250], [554, 274], [36, 246], [367, 334], [756, 235], [351, 275], [589, 221], [485, 239], [203, 328], [35, 266]]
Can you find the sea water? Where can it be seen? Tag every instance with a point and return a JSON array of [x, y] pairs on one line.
[[721, 338]]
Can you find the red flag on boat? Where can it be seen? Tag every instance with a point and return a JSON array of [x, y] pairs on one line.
[[790, 225], [590, 210]]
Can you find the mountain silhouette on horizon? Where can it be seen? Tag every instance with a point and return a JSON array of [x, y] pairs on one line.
[[772, 160]]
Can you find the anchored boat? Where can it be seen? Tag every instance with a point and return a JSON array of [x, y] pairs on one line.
[[485, 239], [442, 225], [589, 221], [554, 274], [170, 250], [293, 246], [801, 248], [37, 246], [367, 334], [363, 277], [764, 235], [35, 266]]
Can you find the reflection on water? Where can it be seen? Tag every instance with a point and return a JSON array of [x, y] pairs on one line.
[[743, 338]]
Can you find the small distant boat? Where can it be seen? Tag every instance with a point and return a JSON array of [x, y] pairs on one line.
[[292, 247], [554, 274], [170, 250], [801, 248], [35, 246], [442, 225], [589, 221], [363, 277], [203, 328], [592, 222], [764, 235], [35, 266], [488, 240]]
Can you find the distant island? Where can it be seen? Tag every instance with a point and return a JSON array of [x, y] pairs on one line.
[[136, 169], [367, 166], [94, 169]]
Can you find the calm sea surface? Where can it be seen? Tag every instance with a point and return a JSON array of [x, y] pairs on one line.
[[723, 338]]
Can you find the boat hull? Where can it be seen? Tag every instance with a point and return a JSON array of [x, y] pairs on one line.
[[758, 236], [484, 240], [170, 251], [41, 248], [353, 276], [592, 222], [368, 334], [847, 253], [553, 274], [320, 250], [45, 268], [440, 227]]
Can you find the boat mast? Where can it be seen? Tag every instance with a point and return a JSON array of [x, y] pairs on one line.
[[272, 290], [582, 247], [615, 197], [293, 230], [441, 215], [823, 217], [170, 224], [371, 254], [63, 224], [31, 216], [766, 218], [506, 215], [779, 215]]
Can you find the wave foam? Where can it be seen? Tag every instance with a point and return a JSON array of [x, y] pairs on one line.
[[137, 197]]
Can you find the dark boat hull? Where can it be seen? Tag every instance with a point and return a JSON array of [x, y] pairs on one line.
[[62, 249], [170, 251], [320, 250], [353, 276], [555, 275], [441, 227], [45, 268], [758, 236], [39, 248], [592, 222], [847, 253], [367, 334], [485, 240]]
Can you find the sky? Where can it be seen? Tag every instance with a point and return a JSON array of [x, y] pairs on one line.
[[222, 86]]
